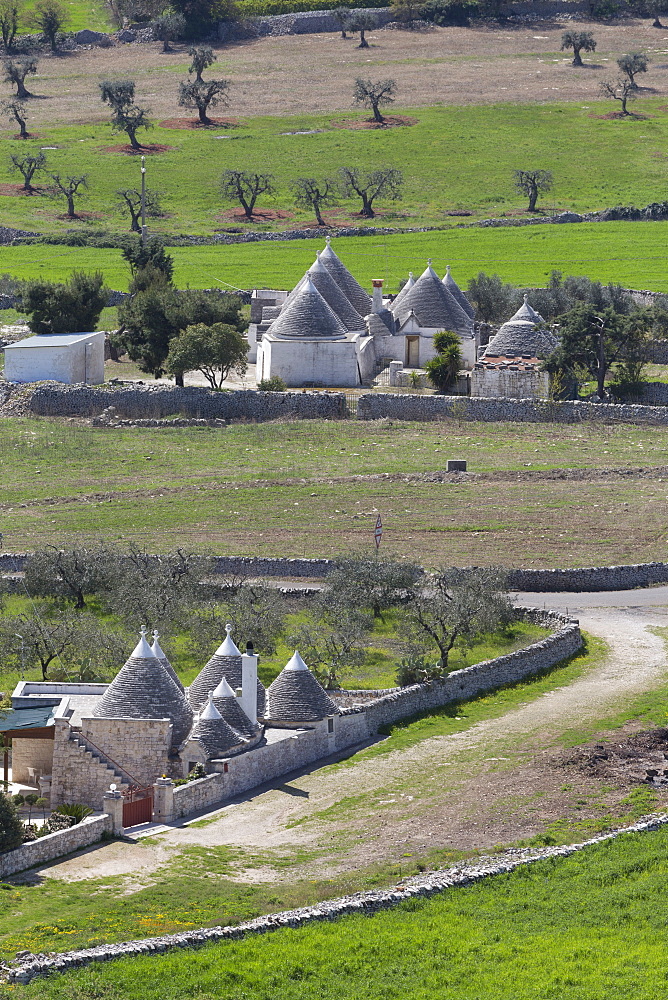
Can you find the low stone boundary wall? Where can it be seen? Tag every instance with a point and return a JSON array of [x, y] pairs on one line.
[[366, 903], [261, 566], [198, 794], [489, 675], [54, 845], [400, 406], [588, 579], [579, 579], [154, 402]]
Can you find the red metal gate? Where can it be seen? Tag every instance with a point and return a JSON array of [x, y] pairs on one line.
[[137, 806]]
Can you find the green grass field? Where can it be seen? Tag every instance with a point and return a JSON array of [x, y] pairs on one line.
[[588, 926], [631, 253], [302, 488], [623, 163]]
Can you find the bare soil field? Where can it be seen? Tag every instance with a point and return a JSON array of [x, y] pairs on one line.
[[443, 65]]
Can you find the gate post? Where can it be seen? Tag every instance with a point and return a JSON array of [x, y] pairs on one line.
[[112, 805], [163, 800]]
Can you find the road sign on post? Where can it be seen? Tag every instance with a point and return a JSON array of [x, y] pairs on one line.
[[378, 532]]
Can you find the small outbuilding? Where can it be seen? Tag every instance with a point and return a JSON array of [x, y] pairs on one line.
[[72, 358]]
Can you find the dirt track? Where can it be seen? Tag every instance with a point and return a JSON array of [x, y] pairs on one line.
[[496, 782]]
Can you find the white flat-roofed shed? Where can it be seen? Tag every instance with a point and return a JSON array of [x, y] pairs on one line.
[[72, 358]]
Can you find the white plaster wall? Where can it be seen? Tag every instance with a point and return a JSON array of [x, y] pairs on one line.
[[367, 357], [60, 364], [495, 384], [324, 362], [395, 347]]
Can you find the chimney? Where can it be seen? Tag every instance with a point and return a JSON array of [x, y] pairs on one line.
[[248, 698], [377, 304]]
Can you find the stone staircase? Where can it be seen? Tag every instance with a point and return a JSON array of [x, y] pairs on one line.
[[95, 758]]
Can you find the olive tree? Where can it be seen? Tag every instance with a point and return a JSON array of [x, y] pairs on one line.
[[363, 21], [532, 183], [168, 28], [130, 201], [27, 166], [201, 57], [631, 64], [200, 95], [70, 574], [126, 116], [50, 17], [16, 111], [70, 187], [215, 351], [9, 22], [373, 95], [371, 184], [374, 583], [620, 90], [457, 605], [246, 187], [309, 192], [579, 41], [16, 70]]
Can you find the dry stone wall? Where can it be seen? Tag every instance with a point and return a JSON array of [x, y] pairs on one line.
[[154, 402], [54, 845], [424, 408], [462, 685]]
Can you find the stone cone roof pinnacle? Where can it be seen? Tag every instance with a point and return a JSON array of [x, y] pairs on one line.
[[455, 290], [307, 315], [360, 298]]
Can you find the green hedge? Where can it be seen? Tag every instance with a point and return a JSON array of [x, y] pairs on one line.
[[264, 8]]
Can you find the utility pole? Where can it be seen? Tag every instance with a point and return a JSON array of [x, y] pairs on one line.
[[143, 201]]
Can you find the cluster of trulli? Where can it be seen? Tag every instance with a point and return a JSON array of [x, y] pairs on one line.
[[226, 708], [328, 330]]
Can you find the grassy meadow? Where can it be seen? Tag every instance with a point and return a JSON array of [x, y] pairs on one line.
[[315, 488], [572, 928], [623, 165], [631, 253]]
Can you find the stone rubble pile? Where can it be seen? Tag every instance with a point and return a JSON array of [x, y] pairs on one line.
[[27, 966]]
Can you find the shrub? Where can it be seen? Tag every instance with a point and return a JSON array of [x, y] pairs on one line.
[[449, 12], [273, 384], [415, 669], [11, 828], [75, 810], [57, 821]]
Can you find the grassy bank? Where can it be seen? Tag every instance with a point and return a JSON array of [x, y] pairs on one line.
[[570, 928]]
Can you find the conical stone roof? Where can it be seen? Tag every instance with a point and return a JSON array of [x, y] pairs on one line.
[[228, 705], [142, 689], [526, 313], [225, 662], [404, 291], [456, 291], [213, 733], [307, 315], [157, 651], [523, 334], [344, 279], [296, 696], [433, 305], [333, 295]]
